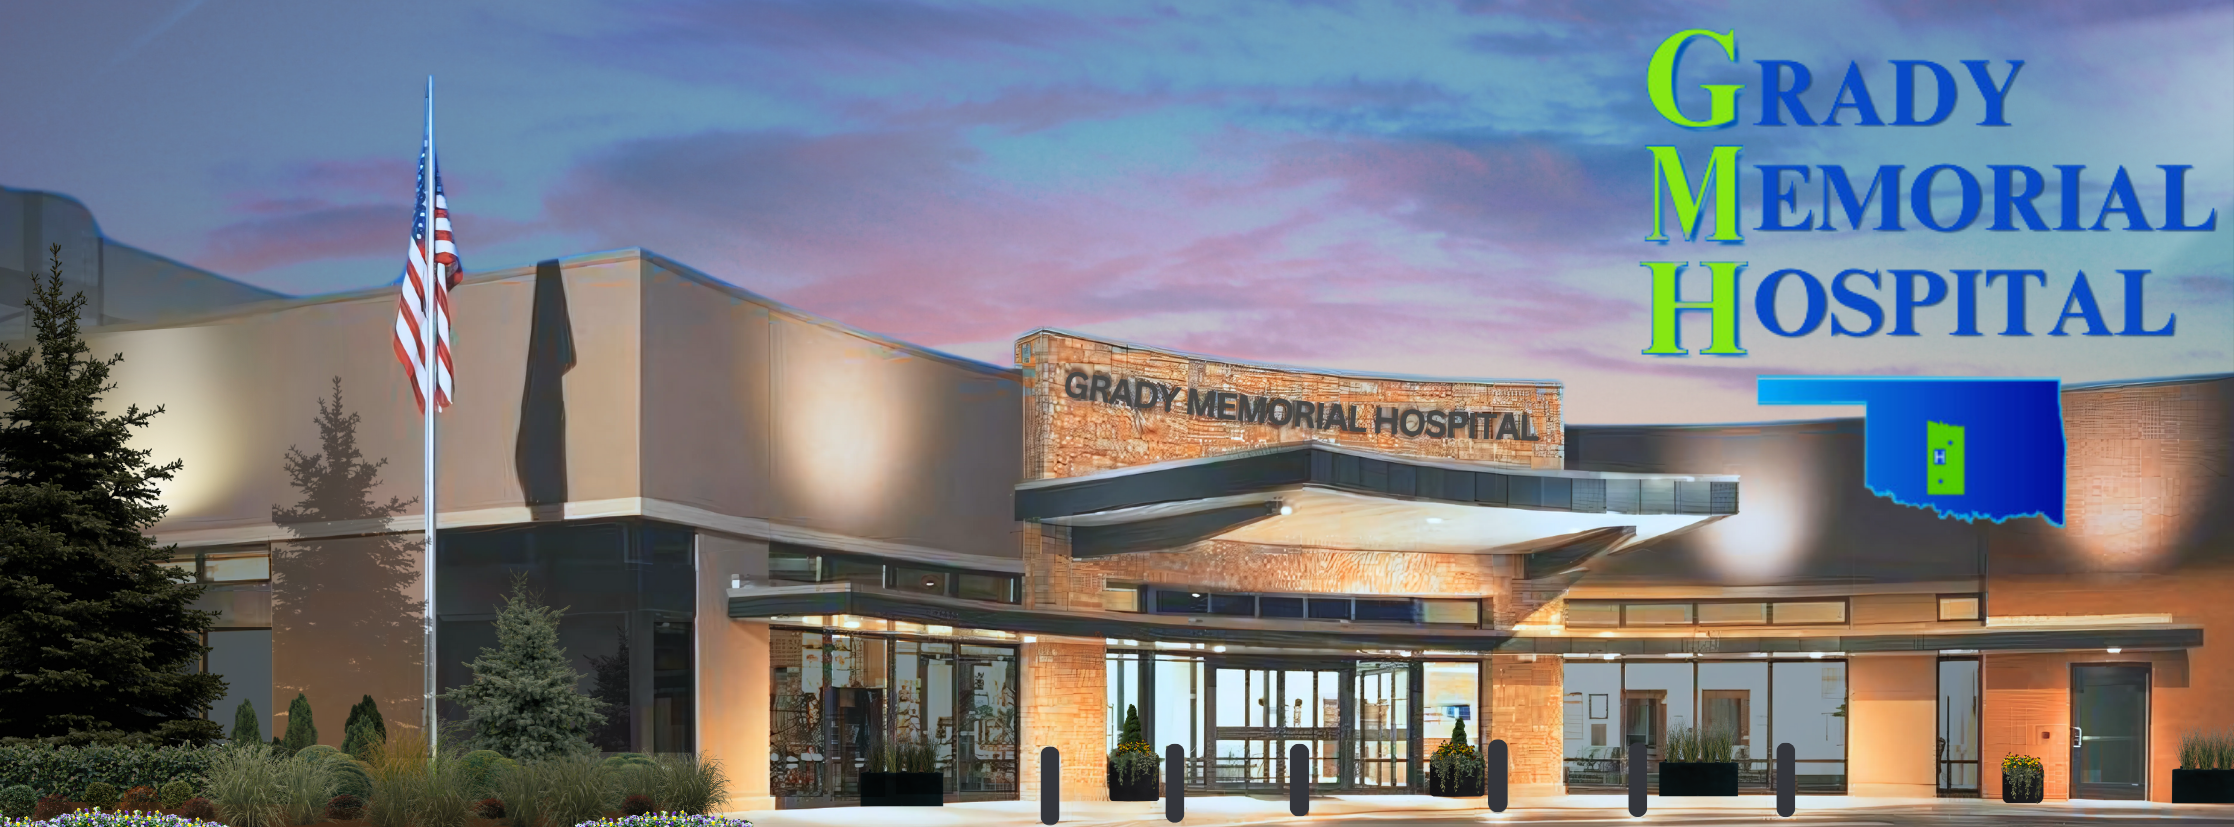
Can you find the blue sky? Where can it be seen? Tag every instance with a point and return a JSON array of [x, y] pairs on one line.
[[1432, 188]]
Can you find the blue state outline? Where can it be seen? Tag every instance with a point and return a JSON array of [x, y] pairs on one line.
[[1869, 472]]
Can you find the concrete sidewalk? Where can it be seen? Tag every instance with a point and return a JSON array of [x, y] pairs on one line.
[[1221, 810]]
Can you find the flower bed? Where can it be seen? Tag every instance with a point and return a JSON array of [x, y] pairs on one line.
[[667, 820], [104, 818]]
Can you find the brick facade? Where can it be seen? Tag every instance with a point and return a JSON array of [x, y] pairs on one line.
[[1066, 437]]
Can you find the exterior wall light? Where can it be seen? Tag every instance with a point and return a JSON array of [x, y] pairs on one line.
[[1287, 510], [1030, 639], [850, 624], [1815, 655], [736, 582], [2114, 650]]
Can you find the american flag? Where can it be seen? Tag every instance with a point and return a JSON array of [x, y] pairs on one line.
[[410, 306]]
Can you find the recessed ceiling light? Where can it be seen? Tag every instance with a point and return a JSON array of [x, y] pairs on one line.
[[1218, 649], [1287, 509], [1609, 656], [1434, 519], [2114, 650]]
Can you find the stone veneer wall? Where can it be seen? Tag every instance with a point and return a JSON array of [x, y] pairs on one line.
[[1065, 437], [1525, 711], [1064, 702]]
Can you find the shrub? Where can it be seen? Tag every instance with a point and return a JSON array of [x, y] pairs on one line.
[[54, 768], [410, 788], [637, 805], [352, 778], [1133, 757], [489, 808], [634, 781], [306, 786], [199, 809], [100, 795], [364, 730], [480, 767], [50, 806], [139, 798], [18, 801], [319, 752], [174, 793], [555, 792], [301, 731], [1456, 759], [344, 807], [248, 727], [691, 785]]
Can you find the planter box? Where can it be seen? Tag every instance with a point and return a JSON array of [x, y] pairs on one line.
[[1688, 778], [2203, 786], [2009, 795], [903, 789], [1453, 786], [1138, 789]]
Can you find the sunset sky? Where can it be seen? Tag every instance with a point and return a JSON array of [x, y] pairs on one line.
[[1454, 189]]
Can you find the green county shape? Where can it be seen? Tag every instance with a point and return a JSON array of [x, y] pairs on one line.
[[1943, 459]]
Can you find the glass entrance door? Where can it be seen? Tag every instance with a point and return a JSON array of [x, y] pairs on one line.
[[1384, 726], [2110, 731], [1261, 713]]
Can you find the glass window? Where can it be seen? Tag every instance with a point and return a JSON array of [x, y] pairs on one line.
[[1744, 614], [1385, 611], [1958, 725], [1734, 698], [1180, 602], [997, 588], [1329, 609], [857, 572], [1810, 714], [1233, 604], [1828, 611], [1964, 607], [1593, 613], [1121, 599], [1657, 614], [1279, 607], [1122, 681], [235, 568], [1593, 733], [919, 580], [1453, 692], [243, 658], [1655, 700], [1468, 612], [791, 566]]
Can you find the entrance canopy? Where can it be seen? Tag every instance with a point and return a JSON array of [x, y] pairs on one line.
[[1317, 494]]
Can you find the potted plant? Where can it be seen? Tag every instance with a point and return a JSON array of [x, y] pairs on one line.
[[1455, 770], [2022, 780], [2206, 773], [1699, 763], [1133, 764], [903, 774]]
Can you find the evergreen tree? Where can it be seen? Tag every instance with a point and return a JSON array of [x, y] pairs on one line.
[[98, 635], [525, 700], [1458, 732], [301, 732], [1130, 730], [364, 730], [247, 729]]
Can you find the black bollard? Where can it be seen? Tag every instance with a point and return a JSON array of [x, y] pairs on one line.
[[1050, 785], [1636, 780], [1787, 799], [1175, 783], [1299, 780], [1500, 776]]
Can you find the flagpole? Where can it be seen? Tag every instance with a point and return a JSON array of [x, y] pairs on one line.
[[430, 362]]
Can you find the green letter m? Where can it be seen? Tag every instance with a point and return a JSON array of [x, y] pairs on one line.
[[1721, 175]]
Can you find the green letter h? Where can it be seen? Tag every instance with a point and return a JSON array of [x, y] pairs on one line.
[[1667, 308]]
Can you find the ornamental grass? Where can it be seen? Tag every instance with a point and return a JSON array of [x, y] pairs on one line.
[[1690, 745], [2207, 751], [668, 820]]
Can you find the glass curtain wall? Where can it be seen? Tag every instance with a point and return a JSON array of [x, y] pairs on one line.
[[836, 699], [1959, 718], [1609, 705], [1453, 690]]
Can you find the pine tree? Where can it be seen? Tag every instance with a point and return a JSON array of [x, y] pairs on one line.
[[247, 729], [98, 635], [301, 732], [525, 700], [364, 730]]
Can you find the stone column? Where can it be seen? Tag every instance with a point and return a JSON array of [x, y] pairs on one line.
[[1064, 704]]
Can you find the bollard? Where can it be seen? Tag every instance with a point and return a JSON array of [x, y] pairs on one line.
[[1175, 783], [1299, 780], [1636, 780], [1050, 785], [1787, 799], [1500, 776]]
